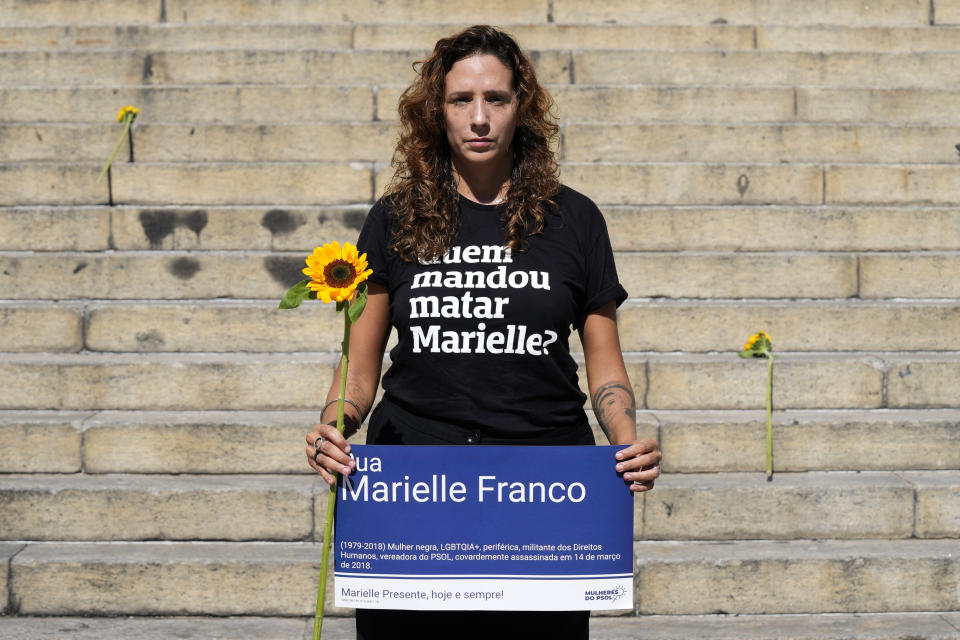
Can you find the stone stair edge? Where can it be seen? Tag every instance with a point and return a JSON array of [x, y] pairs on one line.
[[659, 416], [420, 51], [106, 417], [631, 302], [454, 25], [302, 482], [865, 626], [672, 550], [580, 124], [122, 253], [382, 165], [875, 358], [121, 627], [119, 254], [111, 416], [307, 483], [550, 86], [365, 206], [865, 505], [96, 358]]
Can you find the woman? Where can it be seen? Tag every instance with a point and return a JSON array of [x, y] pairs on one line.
[[483, 261]]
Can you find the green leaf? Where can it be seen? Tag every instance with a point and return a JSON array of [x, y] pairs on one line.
[[297, 294], [359, 302]]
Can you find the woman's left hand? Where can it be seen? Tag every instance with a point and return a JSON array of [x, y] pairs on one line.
[[639, 462]]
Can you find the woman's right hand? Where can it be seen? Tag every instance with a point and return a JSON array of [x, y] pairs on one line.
[[332, 452]]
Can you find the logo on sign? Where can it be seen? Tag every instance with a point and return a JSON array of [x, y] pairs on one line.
[[604, 595]]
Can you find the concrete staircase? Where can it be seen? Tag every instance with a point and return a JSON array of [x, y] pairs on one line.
[[762, 165]]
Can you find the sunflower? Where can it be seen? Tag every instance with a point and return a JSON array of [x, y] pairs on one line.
[[133, 111], [335, 271], [756, 338]]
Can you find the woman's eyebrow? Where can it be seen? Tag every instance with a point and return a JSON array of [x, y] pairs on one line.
[[489, 92]]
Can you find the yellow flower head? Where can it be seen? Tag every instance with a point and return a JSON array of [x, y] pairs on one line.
[[752, 340], [759, 342], [133, 111], [335, 271]]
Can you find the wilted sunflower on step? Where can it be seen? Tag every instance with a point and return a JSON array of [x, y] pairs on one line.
[[133, 111], [765, 344], [335, 271], [759, 345]]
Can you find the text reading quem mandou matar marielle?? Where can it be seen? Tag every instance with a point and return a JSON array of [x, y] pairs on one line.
[[515, 339], [363, 488]]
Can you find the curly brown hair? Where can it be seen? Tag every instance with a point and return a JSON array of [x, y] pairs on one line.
[[423, 192]]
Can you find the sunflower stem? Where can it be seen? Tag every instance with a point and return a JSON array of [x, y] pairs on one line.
[[113, 154], [332, 498], [769, 417]]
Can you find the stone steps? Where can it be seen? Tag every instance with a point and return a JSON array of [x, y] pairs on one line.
[[301, 228], [886, 626], [797, 576], [127, 381], [734, 441], [110, 12], [326, 183], [155, 406], [765, 68], [535, 37], [232, 104], [175, 381], [193, 275], [200, 628], [730, 506], [328, 66], [156, 442], [795, 143], [885, 13], [268, 579], [195, 183], [333, 142], [177, 275], [149, 326], [749, 68], [271, 442], [278, 103], [743, 506], [346, 142], [161, 507]]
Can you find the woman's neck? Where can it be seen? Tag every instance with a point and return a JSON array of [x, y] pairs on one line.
[[485, 187]]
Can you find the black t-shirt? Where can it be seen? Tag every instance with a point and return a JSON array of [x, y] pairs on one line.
[[483, 334]]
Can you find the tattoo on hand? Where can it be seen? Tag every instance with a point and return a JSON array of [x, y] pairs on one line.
[[610, 399]]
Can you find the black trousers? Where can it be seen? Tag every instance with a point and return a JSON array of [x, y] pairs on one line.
[[389, 424], [375, 624]]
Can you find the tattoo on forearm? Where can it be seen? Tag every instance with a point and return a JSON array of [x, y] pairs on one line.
[[358, 395], [611, 399]]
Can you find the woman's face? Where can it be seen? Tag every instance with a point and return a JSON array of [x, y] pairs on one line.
[[480, 114]]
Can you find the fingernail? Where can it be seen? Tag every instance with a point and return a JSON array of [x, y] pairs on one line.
[[347, 449], [619, 456], [346, 471], [353, 464], [619, 467]]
